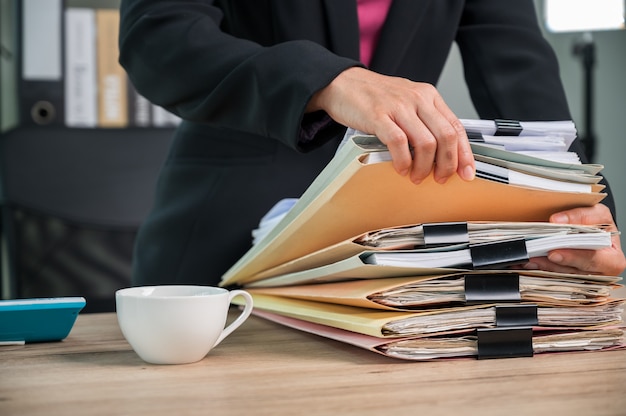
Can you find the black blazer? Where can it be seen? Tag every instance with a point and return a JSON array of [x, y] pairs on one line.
[[240, 74]]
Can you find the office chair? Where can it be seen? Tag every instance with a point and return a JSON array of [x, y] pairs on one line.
[[72, 201]]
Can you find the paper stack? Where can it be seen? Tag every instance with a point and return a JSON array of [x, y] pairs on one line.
[[431, 271]]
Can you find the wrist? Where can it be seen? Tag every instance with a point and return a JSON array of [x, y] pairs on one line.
[[323, 98]]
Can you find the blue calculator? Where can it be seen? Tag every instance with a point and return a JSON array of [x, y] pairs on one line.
[[38, 319]]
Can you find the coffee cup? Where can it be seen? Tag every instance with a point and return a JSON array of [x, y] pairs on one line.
[[177, 324]]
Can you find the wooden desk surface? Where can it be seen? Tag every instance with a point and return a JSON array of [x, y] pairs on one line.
[[263, 368]]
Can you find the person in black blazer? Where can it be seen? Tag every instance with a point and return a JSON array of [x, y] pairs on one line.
[[265, 89]]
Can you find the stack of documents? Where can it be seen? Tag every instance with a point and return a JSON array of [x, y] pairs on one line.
[[354, 195], [445, 247], [461, 344], [418, 317], [433, 271], [490, 314]]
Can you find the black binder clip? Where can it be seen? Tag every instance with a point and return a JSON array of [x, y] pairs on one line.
[[445, 233], [516, 315], [483, 288], [513, 334], [499, 254], [504, 342], [507, 127], [475, 137]]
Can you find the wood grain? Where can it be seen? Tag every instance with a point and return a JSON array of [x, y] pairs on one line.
[[266, 369]]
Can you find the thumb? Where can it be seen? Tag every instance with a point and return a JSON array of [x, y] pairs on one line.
[[598, 214], [560, 218]]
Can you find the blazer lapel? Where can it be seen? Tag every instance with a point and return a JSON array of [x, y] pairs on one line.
[[401, 25], [343, 27]]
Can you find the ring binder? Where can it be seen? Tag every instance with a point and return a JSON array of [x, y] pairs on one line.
[[504, 342], [445, 233], [491, 288], [497, 255], [40, 80], [508, 127], [43, 112]]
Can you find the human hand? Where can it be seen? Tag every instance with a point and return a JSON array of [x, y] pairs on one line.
[[608, 261], [404, 115]]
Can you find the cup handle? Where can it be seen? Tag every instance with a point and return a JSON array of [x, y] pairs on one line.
[[242, 316]]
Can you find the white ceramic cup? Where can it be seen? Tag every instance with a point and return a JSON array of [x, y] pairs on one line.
[[176, 324]]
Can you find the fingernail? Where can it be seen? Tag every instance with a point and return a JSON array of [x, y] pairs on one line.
[[555, 258], [469, 173], [560, 218], [531, 266]]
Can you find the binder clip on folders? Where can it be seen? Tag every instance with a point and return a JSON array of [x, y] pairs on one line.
[[490, 255], [512, 335]]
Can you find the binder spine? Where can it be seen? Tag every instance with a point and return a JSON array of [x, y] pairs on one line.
[[112, 89], [139, 108], [40, 66], [81, 107]]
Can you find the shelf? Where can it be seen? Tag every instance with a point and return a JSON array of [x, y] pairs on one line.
[[102, 176]]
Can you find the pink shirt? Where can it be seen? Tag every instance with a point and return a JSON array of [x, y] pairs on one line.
[[372, 15]]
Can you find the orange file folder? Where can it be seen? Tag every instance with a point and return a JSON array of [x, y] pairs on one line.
[[351, 196]]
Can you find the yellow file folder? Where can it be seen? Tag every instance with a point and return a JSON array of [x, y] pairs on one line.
[[443, 290]]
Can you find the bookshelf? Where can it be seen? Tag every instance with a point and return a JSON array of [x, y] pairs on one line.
[[76, 177]]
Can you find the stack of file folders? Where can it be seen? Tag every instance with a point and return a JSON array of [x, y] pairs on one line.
[[432, 271]]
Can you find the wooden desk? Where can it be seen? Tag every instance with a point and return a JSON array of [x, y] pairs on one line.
[[263, 368]]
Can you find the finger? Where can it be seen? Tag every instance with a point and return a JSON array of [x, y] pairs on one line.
[[442, 141], [608, 261], [466, 165], [446, 157], [598, 214], [543, 263], [424, 151], [587, 261], [396, 141], [466, 168], [421, 141]]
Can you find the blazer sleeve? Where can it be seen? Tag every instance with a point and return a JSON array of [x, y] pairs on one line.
[[510, 69], [177, 56]]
